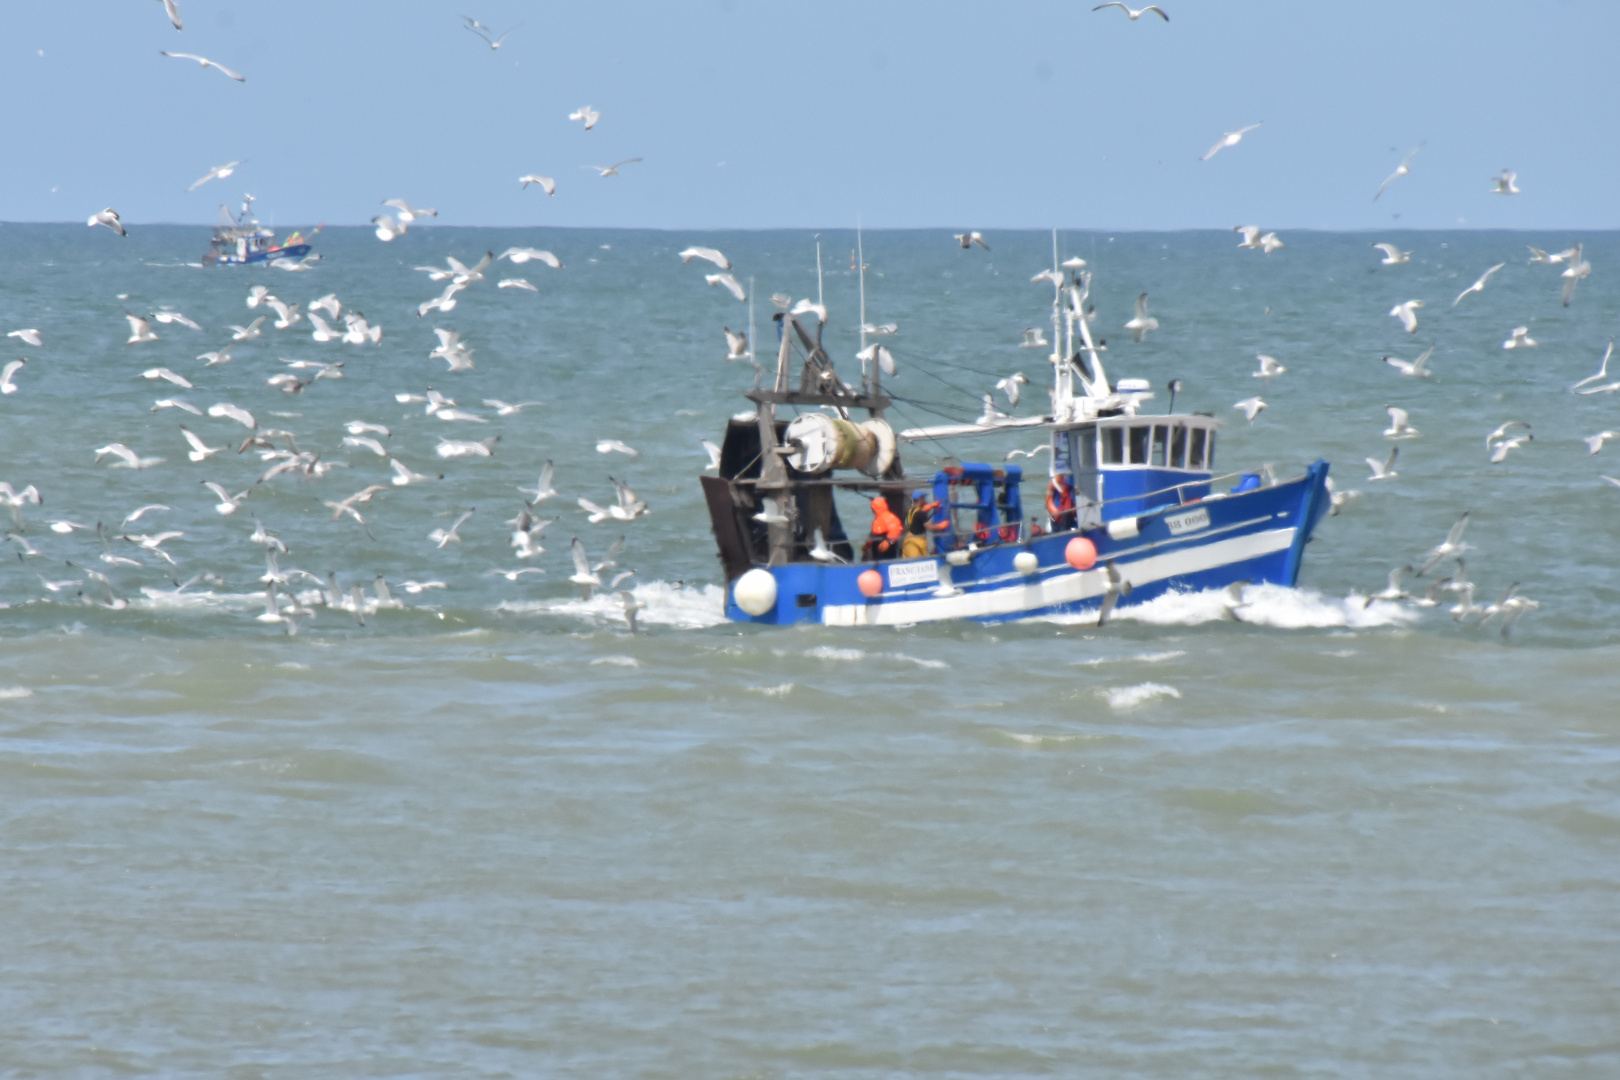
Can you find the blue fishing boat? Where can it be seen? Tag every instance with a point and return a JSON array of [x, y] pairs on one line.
[[1137, 508], [240, 240]]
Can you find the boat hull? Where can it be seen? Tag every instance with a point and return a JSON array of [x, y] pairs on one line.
[[1256, 536], [297, 251]]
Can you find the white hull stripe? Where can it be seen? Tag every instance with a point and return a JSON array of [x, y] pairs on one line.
[[1061, 589]]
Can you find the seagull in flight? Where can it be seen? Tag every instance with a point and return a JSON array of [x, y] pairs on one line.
[[169, 315], [1602, 371], [1134, 15], [173, 10], [109, 218], [140, 331], [1269, 367], [1141, 323], [1506, 184], [1400, 426], [968, 239], [1393, 256], [587, 114], [1416, 368], [28, 337], [1230, 138], [1449, 548], [1502, 432], [713, 450], [1521, 339], [1578, 269], [706, 253], [218, 172], [609, 446], [1250, 407], [200, 451], [480, 29], [1407, 313], [1500, 452], [441, 537], [543, 488], [6, 374], [1478, 286], [205, 62], [732, 285], [611, 170], [547, 184], [1594, 443], [1010, 386], [519, 256], [1401, 170], [1034, 338], [1384, 470]]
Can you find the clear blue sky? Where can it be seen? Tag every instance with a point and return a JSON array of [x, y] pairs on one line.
[[1016, 113]]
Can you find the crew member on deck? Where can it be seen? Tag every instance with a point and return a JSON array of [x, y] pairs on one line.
[[919, 524], [1060, 502], [886, 532]]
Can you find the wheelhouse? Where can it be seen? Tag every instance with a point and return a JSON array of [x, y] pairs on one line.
[[1127, 465]]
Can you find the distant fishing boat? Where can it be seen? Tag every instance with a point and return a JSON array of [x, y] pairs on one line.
[[1150, 515], [240, 240]]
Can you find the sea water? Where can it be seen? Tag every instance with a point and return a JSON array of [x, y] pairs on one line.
[[492, 832]]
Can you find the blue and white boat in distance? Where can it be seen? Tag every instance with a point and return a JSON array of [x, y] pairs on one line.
[[240, 240], [1151, 514]]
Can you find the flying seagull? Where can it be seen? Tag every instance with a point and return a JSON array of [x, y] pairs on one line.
[[1506, 184], [174, 12], [218, 172], [611, 170], [1393, 256], [205, 62], [109, 218], [1478, 286], [1230, 138], [709, 254], [587, 114], [1134, 15], [1407, 313], [547, 184], [1401, 170]]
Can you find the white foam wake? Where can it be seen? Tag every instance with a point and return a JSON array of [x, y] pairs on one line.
[[1269, 605], [684, 607]]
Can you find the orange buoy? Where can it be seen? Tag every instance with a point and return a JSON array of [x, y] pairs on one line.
[[870, 583], [1081, 553]]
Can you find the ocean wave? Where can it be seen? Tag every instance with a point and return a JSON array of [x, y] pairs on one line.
[[1129, 697]]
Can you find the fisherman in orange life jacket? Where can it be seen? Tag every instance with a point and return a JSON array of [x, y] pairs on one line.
[[919, 525], [886, 531], [1060, 502]]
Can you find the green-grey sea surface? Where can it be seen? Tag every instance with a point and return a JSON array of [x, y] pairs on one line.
[[491, 832]]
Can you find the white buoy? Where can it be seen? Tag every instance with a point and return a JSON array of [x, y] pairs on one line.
[[755, 592], [1026, 563], [1124, 528]]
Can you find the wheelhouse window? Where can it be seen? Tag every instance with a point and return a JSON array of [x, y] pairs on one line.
[[1084, 454], [1196, 457], [1139, 444], [1160, 441], [1178, 446], [1113, 445]]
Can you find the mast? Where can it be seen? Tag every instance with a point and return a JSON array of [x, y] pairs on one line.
[[820, 300]]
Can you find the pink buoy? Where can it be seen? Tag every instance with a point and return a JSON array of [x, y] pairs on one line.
[[870, 583], [1081, 553]]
